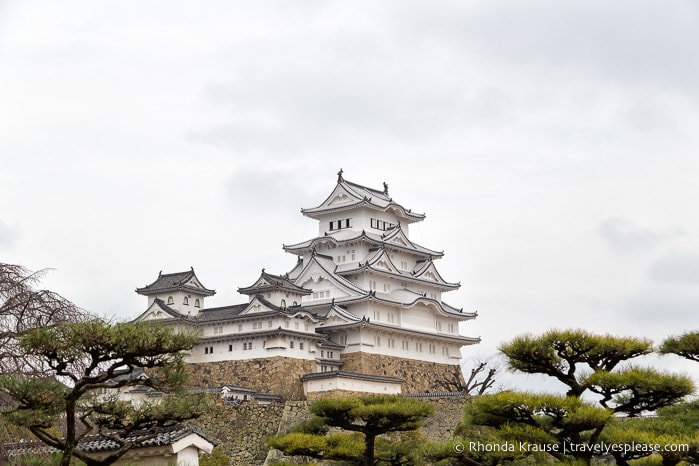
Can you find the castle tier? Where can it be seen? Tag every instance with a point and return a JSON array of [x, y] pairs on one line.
[[361, 311]]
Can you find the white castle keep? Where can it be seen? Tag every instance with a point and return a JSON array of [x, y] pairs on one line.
[[361, 311]]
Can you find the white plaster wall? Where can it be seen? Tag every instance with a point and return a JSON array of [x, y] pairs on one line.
[[379, 342], [360, 220], [355, 385], [178, 302], [188, 457], [232, 350]]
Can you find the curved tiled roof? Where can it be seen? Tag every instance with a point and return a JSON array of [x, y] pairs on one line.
[[97, 443], [362, 196], [340, 237], [163, 436], [375, 256], [175, 282], [269, 282], [350, 375], [404, 330]]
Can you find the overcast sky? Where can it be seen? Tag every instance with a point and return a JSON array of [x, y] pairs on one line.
[[552, 145]]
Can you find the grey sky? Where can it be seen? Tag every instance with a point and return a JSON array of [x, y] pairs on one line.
[[551, 144]]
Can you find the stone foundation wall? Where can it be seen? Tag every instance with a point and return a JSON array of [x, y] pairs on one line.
[[419, 376], [276, 376], [240, 431]]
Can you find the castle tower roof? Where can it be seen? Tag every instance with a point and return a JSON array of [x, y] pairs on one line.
[[348, 196], [179, 281]]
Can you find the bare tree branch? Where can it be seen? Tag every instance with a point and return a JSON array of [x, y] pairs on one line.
[[482, 378], [23, 307]]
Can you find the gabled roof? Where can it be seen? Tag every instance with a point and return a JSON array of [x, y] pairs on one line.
[[407, 298], [348, 195], [379, 261], [158, 310], [395, 238], [427, 271], [320, 264], [180, 281], [268, 282]]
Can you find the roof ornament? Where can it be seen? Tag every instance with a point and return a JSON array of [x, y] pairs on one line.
[[313, 251], [339, 176], [385, 188], [333, 301], [263, 270]]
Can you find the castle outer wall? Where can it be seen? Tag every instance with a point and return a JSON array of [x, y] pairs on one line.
[[280, 376]]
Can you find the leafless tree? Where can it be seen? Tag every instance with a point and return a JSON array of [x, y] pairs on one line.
[[481, 378], [23, 307]]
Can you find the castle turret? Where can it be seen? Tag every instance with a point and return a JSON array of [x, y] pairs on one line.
[[181, 291]]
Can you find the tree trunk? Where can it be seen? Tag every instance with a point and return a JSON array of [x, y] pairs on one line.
[[70, 433], [369, 449]]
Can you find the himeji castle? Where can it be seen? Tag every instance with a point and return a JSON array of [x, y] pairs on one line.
[[360, 312]]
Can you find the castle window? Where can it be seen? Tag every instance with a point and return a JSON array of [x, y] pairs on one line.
[[391, 343], [330, 354], [372, 285], [340, 224], [196, 303], [377, 341], [240, 327], [230, 347], [283, 303], [354, 255], [291, 344], [269, 324], [186, 301], [209, 350], [170, 300], [404, 265], [296, 325], [322, 353], [380, 224], [301, 345], [387, 287]]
